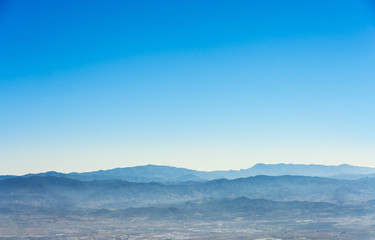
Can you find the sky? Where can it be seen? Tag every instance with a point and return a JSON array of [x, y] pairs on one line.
[[206, 85]]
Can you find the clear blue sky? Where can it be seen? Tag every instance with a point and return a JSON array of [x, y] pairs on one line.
[[87, 85]]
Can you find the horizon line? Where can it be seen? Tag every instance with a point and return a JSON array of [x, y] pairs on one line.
[[162, 165]]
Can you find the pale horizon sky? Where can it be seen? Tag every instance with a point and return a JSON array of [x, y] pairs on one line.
[[205, 85]]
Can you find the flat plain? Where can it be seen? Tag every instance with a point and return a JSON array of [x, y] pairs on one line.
[[72, 226]]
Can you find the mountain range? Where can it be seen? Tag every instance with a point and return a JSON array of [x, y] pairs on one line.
[[156, 173], [178, 193], [65, 193]]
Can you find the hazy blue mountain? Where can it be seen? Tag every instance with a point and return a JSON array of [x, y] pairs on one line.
[[59, 192], [155, 173], [241, 207], [148, 173], [307, 170]]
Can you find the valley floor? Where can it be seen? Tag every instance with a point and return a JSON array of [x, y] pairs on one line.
[[73, 226]]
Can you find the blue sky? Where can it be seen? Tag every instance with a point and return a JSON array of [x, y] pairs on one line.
[[199, 84]]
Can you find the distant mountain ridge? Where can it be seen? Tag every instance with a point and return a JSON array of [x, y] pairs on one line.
[[157, 173], [61, 193], [240, 207]]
